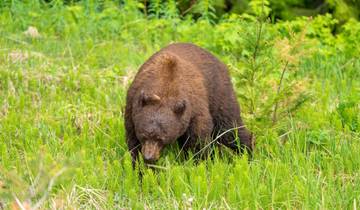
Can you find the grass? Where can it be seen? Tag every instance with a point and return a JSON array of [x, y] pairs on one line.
[[62, 97]]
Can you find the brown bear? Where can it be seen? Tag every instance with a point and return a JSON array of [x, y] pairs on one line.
[[182, 93]]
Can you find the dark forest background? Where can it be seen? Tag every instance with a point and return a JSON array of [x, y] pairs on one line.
[[280, 10]]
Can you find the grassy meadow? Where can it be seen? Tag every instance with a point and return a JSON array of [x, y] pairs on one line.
[[64, 72]]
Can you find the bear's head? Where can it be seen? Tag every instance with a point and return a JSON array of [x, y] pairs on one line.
[[159, 121]]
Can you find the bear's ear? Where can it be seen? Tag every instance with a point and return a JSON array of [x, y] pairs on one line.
[[146, 99], [180, 107], [168, 60]]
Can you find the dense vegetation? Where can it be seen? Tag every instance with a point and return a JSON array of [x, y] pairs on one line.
[[287, 9], [64, 71]]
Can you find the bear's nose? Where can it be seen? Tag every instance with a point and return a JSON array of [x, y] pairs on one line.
[[148, 158], [150, 151]]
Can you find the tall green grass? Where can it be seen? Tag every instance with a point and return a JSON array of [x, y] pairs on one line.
[[62, 97]]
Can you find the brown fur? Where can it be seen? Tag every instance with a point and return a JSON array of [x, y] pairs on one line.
[[184, 94]]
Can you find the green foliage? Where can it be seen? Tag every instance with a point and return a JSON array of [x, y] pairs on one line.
[[349, 37], [349, 115], [345, 9], [260, 8], [64, 72], [207, 10]]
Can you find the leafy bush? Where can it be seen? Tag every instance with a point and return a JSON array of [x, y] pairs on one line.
[[64, 71]]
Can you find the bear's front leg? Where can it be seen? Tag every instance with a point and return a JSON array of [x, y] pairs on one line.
[[247, 139], [197, 138], [134, 148], [201, 129], [132, 141]]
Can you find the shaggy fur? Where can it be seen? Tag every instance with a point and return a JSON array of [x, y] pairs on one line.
[[182, 93]]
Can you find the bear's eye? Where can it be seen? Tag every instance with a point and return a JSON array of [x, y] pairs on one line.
[[179, 107]]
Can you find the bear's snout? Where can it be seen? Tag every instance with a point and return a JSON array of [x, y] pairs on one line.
[[151, 151]]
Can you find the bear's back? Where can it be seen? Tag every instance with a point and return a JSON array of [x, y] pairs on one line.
[[222, 99]]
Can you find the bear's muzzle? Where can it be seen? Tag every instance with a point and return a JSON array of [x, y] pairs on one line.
[[151, 151]]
